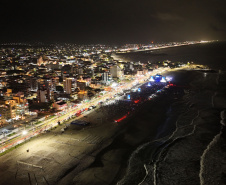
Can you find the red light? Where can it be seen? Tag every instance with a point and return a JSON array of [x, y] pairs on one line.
[[136, 101], [120, 119]]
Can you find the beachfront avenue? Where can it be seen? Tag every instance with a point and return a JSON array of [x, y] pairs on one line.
[[24, 135]]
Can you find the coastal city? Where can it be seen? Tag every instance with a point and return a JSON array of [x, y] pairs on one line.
[[89, 115], [42, 86], [112, 92]]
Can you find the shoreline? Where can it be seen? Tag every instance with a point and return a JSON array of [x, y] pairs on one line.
[[89, 155], [176, 162], [160, 47], [56, 145]]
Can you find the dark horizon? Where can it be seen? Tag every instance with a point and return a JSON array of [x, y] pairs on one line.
[[112, 22]]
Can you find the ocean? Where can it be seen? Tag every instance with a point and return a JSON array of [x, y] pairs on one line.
[[210, 54], [179, 150]]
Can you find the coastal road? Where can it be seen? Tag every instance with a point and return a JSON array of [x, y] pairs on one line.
[[50, 123]]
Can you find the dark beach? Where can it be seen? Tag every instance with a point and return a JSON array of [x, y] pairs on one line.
[[96, 156], [120, 152]]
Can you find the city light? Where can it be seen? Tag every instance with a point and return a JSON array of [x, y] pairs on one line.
[[24, 132], [118, 89], [114, 84]]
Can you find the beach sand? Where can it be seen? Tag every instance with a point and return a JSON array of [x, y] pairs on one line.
[[195, 152], [106, 152], [96, 154]]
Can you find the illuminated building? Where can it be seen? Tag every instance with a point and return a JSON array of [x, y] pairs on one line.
[[106, 77], [81, 84], [15, 106], [40, 60], [60, 105], [68, 85], [44, 93], [140, 72], [116, 72], [82, 95]]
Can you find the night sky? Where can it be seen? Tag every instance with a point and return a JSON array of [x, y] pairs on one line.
[[112, 21]]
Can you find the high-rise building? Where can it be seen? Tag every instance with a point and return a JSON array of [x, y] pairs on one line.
[[68, 85], [105, 77], [116, 72], [44, 93], [81, 84]]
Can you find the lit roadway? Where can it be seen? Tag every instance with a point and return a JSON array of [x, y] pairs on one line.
[[147, 48], [49, 123]]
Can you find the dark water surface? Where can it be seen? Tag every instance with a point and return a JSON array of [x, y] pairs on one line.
[[210, 54]]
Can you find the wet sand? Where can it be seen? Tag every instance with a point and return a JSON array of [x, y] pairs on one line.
[[194, 153], [102, 153], [96, 154]]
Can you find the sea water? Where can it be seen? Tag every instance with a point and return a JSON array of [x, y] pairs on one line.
[[143, 162]]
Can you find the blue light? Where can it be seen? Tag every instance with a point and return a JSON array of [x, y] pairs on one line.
[[149, 84], [163, 79], [158, 78], [152, 79], [139, 89], [128, 96]]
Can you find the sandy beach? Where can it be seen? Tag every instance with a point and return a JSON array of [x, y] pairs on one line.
[[96, 154], [106, 152], [197, 146]]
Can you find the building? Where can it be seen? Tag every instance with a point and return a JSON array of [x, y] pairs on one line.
[[140, 72], [5, 114], [60, 105], [68, 85], [15, 106], [82, 95], [33, 84], [44, 93], [81, 84], [106, 78], [40, 61], [116, 72]]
